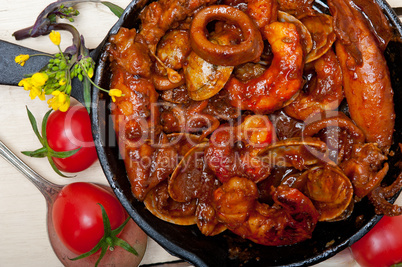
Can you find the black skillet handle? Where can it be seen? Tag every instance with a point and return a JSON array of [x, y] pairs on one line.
[[11, 73]]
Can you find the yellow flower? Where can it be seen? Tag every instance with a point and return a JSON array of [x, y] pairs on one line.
[[90, 72], [59, 101], [34, 91], [55, 37], [39, 79], [62, 82], [37, 92], [115, 93], [21, 59], [26, 83]]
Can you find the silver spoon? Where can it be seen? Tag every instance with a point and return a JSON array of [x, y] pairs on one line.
[[119, 257]]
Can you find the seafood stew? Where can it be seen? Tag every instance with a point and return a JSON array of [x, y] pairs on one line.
[[223, 247]]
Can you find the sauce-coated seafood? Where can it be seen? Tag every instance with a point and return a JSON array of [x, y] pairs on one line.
[[229, 117]]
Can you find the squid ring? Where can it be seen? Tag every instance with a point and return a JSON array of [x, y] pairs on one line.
[[225, 55]]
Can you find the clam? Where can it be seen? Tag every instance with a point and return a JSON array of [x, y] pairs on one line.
[[192, 180], [163, 207], [306, 38], [159, 201], [188, 178], [173, 48], [204, 79], [330, 190], [321, 29], [295, 152]]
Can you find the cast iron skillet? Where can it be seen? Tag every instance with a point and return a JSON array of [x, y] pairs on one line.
[[187, 242], [227, 249]]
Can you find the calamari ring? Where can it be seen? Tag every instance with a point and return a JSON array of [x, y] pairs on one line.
[[229, 55]]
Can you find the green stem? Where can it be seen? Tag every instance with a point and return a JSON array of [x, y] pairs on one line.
[[67, 76], [90, 80], [62, 55]]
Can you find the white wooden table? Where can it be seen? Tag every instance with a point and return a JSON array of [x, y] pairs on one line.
[[23, 234]]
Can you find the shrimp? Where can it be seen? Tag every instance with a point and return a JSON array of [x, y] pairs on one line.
[[323, 93], [291, 219], [367, 83], [281, 81]]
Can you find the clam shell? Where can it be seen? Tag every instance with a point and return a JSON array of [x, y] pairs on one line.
[[203, 79], [295, 152], [321, 29], [150, 203], [330, 190], [176, 181], [307, 40]]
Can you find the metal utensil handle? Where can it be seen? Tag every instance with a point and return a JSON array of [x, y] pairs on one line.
[[48, 189]]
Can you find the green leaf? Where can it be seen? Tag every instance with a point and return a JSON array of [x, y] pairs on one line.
[[63, 154], [121, 227], [121, 243], [118, 11], [89, 253], [54, 167], [103, 252], [39, 153], [87, 93], [52, 18], [34, 125], [86, 83], [44, 122], [106, 222]]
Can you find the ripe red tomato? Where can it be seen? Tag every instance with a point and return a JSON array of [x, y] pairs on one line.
[[382, 245], [77, 216], [70, 130]]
